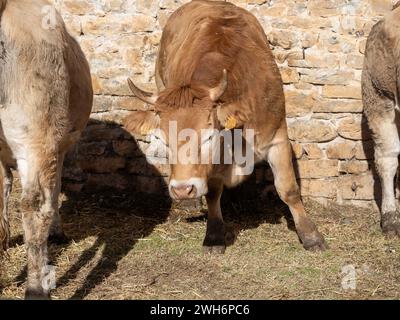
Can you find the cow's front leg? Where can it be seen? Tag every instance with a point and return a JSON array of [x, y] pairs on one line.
[[57, 235], [36, 225], [214, 241], [280, 159], [387, 149]]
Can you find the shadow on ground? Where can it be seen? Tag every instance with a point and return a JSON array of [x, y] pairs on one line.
[[134, 215], [247, 207], [128, 212]]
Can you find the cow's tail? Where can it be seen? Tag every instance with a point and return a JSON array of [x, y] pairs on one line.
[[397, 93], [396, 62], [2, 5], [4, 224], [397, 97]]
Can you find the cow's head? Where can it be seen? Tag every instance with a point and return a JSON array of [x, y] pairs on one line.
[[193, 112]]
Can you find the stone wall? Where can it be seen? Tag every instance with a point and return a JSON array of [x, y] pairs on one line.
[[319, 46]]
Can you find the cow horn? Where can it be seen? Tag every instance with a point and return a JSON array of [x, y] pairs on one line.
[[147, 97], [217, 92]]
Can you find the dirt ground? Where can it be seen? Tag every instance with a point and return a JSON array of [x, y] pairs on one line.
[[141, 247]]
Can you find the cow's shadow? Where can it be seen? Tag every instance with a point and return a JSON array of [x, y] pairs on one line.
[[244, 210], [251, 204], [122, 207], [119, 221]]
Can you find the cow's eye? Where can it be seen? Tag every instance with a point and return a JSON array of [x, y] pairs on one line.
[[207, 138]]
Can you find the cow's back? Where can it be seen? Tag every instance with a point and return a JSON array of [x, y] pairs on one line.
[[382, 58], [44, 73], [202, 38], [392, 28]]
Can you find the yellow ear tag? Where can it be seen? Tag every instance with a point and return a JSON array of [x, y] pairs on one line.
[[230, 123]]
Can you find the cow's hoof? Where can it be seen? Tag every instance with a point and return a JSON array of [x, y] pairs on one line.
[[35, 294], [214, 249], [391, 223], [214, 243], [59, 238], [314, 242]]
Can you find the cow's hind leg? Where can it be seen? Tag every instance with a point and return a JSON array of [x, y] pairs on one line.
[[39, 205], [6, 180], [387, 149], [280, 160], [214, 241], [57, 234]]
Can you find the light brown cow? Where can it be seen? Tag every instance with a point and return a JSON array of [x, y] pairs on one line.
[[381, 93], [46, 98], [215, 70]]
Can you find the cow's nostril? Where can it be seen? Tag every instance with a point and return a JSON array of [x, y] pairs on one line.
[[192, 191], [184, 191]]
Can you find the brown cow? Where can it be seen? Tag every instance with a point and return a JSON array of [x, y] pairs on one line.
[[215, 70], [381, 92], [45, 98]]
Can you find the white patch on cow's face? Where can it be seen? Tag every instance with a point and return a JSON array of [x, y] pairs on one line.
[[198, 183]]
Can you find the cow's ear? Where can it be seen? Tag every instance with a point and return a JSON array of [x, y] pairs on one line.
[[142, 122], [217, 92], [230, 116]]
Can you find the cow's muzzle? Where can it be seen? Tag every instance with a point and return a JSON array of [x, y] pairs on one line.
[[189, 189], [184, 191]]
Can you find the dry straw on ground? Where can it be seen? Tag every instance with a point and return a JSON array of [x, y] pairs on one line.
[[130, 247]]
